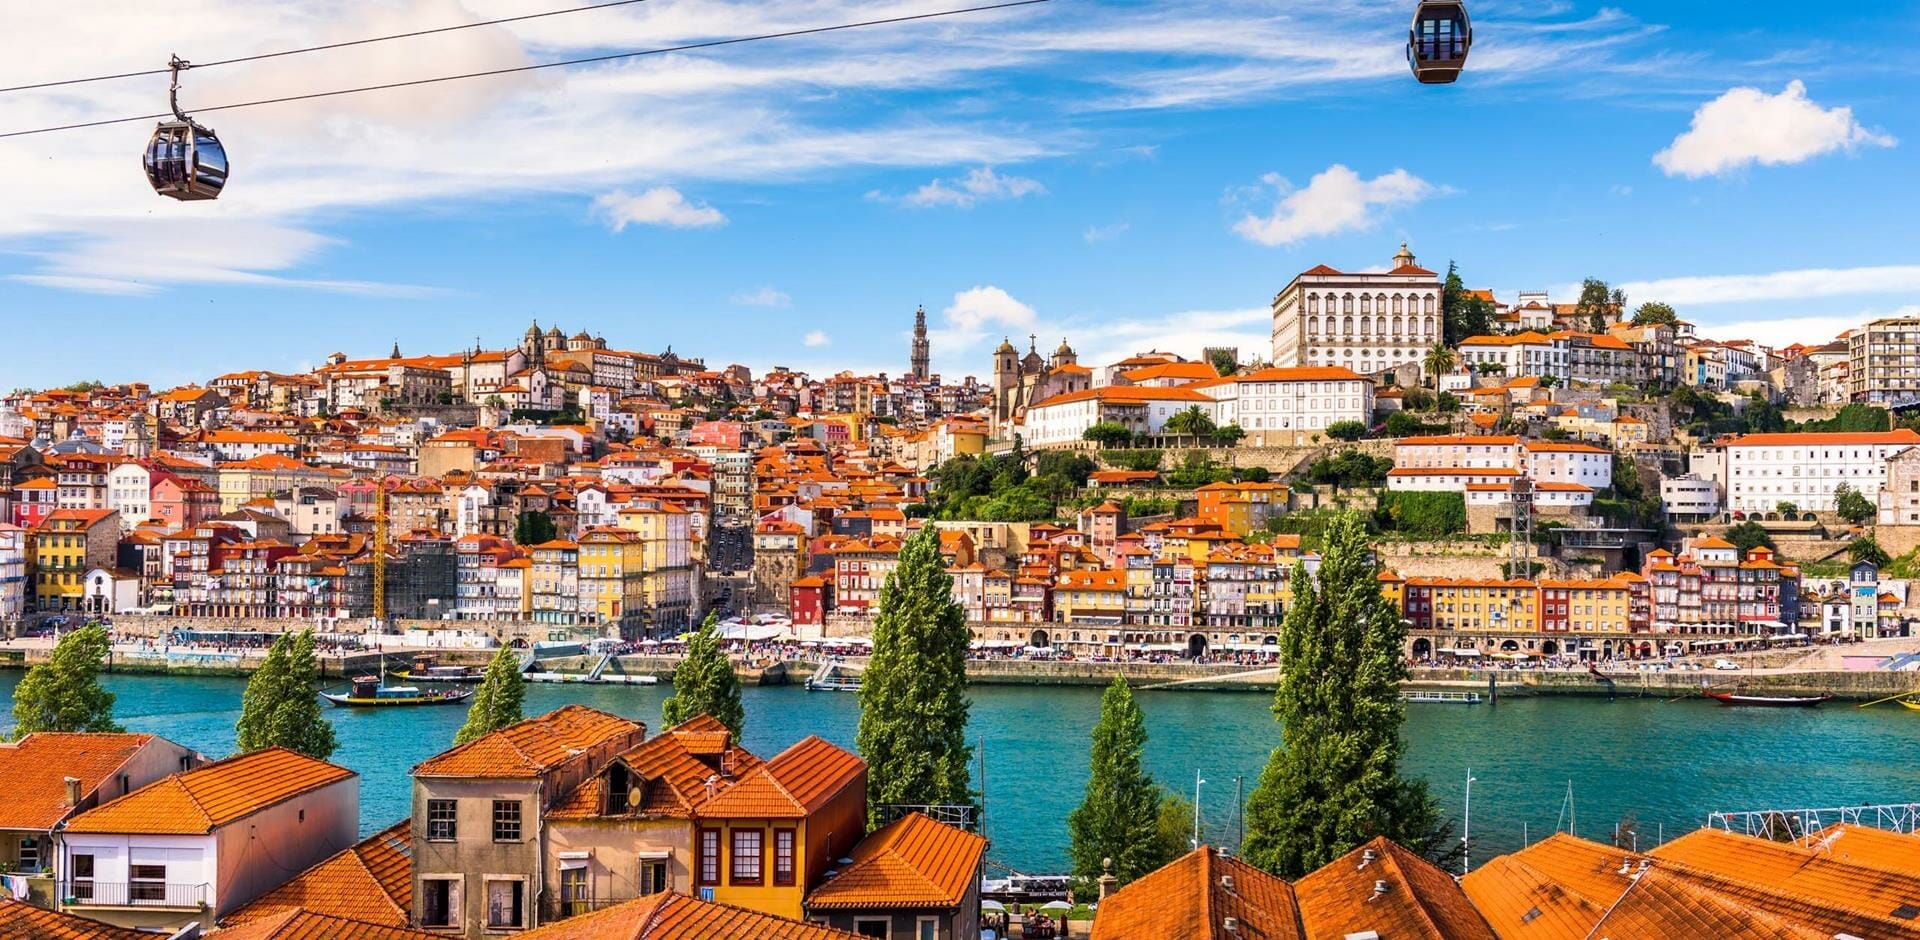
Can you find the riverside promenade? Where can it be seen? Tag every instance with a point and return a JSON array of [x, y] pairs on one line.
[[1821, 670]]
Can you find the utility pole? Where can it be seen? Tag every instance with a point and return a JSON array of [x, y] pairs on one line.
[[1239, 813], [1466, 827]]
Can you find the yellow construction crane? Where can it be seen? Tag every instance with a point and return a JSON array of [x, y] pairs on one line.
[[380, 553]]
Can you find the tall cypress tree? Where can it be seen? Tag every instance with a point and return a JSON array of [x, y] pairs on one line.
[[913, 696], [279, 707], [1333, 783], [64, 693], [704, 682], [497, 703], [1119, 818]]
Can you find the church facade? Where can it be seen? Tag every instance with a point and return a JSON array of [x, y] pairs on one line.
[[1019, 382]]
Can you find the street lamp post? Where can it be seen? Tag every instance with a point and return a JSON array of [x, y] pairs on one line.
[[1466, 826], [1197, 782]]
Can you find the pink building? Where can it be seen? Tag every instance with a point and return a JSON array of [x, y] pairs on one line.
[[182, 503]]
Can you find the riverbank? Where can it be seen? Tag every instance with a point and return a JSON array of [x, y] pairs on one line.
[[1815, 672]]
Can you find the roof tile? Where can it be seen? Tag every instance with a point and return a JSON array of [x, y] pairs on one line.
[[200, 800]]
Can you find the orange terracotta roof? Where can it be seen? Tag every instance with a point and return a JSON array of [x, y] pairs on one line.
[[670, 916], [1190, 899], [1817, 439], [22, 921], [34, 768], [1128, 394], [531, 747], [297, 924], [912, 862], [371, 882], [1786, 868], [1557, 888], [200, 800], [1664, 904], [795, 783], [1419, 900]]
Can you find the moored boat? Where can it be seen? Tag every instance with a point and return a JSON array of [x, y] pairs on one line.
[[1769, 701], [1913, 703], [440, 674], [369, 691]]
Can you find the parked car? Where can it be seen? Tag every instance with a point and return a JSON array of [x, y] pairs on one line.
[[1726, 664]]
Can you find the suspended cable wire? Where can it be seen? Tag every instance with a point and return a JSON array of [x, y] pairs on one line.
[[331, 45], [814, 30]]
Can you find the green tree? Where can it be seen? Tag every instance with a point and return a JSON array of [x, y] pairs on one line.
[[1227, 435], [1073, 467], [1787, 507], [1173, 828], [1223, 362], [1334, 782], [1598, 303], [1117, 817], [1866, 549], [1654, 313], [1747, 536], [497, 702], [91, 385], [533, 528], [705, 684], [1463, 313], [913, 695], [1346, 430], [1852, 506], [64, 693], [1549, 380], [1108, 434], [1437, 362], [1189, 423], [1402, 424], [279, 708]]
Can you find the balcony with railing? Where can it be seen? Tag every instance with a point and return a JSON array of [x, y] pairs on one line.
[[141, 894]]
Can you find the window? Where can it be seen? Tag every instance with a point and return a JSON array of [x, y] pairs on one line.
[[147, 883], [504, 903], [709, 856], [573, 890], [783, 849], [506, 820], [871, 927], [746, 857], [440, 902], [440, 821], [81, 877], [29, 854], [653, 878], [926, 928]]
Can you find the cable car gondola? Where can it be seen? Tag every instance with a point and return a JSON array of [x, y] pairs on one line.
[[184, 160], [1438, 42]]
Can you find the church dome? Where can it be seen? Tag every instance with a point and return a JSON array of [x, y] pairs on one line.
[[1064, 350], [1006, 348]]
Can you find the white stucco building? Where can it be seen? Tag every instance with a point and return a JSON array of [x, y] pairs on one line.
[[1522, 354], [196, 845], [1367, 322], [1565, 462], [1062, 419], [1492, 450], [13, 572], [1765, 470], [1276, 406]]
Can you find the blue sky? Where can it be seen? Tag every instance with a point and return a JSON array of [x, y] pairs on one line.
[[1124, 174]]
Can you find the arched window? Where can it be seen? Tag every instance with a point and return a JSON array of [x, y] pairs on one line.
[[1429, 320], [1396, 324], [1313, 326], [1366, 324], [1397, 300], [1366, 304], [1313, 303], [1346, 324], [1347, 307], [1429, 303]]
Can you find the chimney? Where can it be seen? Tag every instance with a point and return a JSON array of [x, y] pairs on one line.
[[1366, 858], [1226, 882], [1379, 888], [712, 783], [1230, 925], [73, 790], [1108, 883], [726, 762]]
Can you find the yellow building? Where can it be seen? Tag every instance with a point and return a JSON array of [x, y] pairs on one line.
[[761, 842], [613, 577], [1090, 598], [65, 547], [1590, 606], [669, 584]]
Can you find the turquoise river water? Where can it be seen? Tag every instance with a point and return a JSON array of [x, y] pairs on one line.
[[1666, 764]]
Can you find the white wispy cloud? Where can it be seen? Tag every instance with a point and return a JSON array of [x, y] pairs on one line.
[[1805, 284], [1336, 200], [977, 311], [1101, 233], [815, 339], [980, 184], [661, 205], [763, 297], [1746, 126]]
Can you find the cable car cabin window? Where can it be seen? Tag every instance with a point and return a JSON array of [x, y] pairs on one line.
[[186, 161]]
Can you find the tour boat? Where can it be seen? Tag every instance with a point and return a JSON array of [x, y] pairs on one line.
[[369, 691], [440, 674], [1769, 701], [1913, 703]]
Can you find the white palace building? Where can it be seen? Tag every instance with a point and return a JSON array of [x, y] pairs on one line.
[[1368, 322]]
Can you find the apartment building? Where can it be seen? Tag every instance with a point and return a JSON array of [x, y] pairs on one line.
[[1883, 359], [1765, 470], [1364, 322]]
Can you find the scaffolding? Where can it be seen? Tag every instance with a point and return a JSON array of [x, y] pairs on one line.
[[1520, 545]]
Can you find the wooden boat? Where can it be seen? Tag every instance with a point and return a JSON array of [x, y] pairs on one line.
[[370, 692], [1768, 701], [1913, 703]]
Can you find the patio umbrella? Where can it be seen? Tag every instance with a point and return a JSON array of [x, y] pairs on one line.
[[992, 906], [1056, 906]]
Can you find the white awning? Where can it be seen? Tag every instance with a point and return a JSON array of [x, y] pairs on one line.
[[652, 855]]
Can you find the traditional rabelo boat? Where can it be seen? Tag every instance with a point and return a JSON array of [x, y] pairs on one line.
[[369, 691], [1769, 701]]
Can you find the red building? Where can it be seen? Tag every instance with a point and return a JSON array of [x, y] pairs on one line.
[[809, 601], [34, 501]]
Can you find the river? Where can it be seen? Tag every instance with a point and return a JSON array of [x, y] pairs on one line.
[[1665, 764]]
